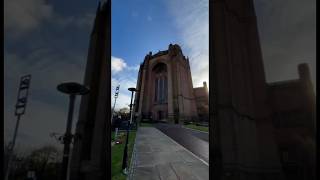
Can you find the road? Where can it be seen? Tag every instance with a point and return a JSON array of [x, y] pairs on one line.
[[195, 141]]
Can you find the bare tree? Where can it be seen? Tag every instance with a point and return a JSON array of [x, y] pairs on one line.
[[40, 158]]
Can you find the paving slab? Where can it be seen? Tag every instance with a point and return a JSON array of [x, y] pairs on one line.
[[157, 156]]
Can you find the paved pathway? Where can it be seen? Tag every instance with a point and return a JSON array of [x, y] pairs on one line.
[[158, 157], [193, 140]]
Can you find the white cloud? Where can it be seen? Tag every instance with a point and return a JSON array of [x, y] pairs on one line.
[[23, 16], [126, 81], [192, 20], [117, 64], [124, 75]]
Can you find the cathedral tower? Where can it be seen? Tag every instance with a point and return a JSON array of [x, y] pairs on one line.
[[244, 143], [165, 90]]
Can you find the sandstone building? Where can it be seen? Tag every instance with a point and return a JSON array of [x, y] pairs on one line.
[[292, 105], [165, 90], [258, 130]]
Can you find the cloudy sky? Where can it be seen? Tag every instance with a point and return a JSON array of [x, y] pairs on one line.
[[49, 39], [141, 26], [288, 37]]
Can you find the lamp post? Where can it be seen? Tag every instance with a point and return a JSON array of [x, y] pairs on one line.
[[125, 152], [72, 89]]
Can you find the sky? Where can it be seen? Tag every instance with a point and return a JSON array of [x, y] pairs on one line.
[[49, 39], [141, 26]]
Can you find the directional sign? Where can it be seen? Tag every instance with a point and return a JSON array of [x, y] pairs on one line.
[[22, 95], [20, 108], [117, 91]]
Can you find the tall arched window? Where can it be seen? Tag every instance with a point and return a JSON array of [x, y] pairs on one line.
[[160, 83]]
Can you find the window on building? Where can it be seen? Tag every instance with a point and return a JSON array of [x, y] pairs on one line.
[[161, 89], [160, 83]]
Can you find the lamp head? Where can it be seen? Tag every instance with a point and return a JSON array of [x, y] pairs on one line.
[[73, 88], [132, 89]]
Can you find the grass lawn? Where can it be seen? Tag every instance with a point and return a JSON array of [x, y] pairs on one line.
[[117, 155], [200, 128], [143, 124]]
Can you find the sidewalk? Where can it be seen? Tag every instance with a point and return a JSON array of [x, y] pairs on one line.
[[158, 157]]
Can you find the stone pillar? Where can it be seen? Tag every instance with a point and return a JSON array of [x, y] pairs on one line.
[[170, 93], [148, 90], [144, 85], [193, 102], [174, 81], [137, 93], [179, 91], [141, 90]]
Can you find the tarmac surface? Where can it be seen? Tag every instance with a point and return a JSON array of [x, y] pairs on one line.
[[195, 141], [158, 157]]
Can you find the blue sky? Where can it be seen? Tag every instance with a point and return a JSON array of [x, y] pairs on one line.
[[49, 39], [141, 26]]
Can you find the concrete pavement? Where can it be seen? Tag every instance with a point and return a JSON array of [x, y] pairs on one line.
[[158, 157], [193, 140]]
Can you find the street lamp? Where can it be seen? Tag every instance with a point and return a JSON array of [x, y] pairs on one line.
[[72, 89], [125, 152]]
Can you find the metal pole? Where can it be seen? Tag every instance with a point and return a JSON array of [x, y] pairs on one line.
[[115, 100], [131, 114], [11, 148], [131, 107], [67, 139], [125, 152]]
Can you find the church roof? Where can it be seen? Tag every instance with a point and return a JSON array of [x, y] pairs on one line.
[[160, 53]]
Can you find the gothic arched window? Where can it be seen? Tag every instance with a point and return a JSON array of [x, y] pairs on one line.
[[160, 83]]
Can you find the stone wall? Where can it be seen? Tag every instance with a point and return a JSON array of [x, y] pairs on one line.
[[180, 104]]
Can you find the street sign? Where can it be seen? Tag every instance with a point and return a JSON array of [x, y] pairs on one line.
[[20, 109], [22, 95], [115, 100]]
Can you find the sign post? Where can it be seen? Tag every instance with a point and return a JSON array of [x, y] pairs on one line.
[[115, 100], [19, 111]]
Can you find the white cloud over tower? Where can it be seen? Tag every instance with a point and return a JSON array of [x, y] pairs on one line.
[[192, 20]]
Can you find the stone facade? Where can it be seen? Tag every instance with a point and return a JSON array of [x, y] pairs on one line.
[[293, 111], [260, 130], [243, 145], [165, 90], [202, 102]]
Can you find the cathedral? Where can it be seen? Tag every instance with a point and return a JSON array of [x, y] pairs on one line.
[[165, 91], [261, 130]]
